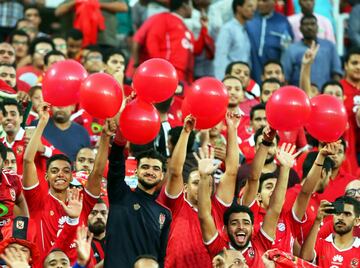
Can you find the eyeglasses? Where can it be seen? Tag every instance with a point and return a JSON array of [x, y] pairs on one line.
[[9, 52], [94, 58], [352, 192], [43, 51]]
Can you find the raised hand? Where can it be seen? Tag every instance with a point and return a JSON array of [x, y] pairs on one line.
[[269, 134], [330, 148], [75, 203], [110, 127], [324, 206], [189, 123], [15, 258], [83, 242], [44, 112], [205, 161], [23, 96], [310, 53], [233, 119], [286, 155]]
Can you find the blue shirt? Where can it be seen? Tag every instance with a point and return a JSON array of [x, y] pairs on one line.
[[326, 63], [68, 141], [269, 36], [232, 44]]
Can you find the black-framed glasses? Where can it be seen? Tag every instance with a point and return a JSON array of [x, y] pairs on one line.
[[352, 192]]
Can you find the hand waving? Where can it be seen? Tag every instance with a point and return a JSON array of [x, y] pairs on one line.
[[310, 54], [75, 203], [44, 112], [110, 127], [205, 161], [233, 119], [286, 155], [83, 245], [15, 258], [189, 123]]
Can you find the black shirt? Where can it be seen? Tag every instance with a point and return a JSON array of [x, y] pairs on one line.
[[137, 223]]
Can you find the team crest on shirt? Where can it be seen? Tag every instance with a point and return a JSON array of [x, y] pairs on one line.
[[20, 224], [162, 218], [52, 213], [136, 206], [281, 227], [13, 194], [354, 263], [251, 253], [19, 149]]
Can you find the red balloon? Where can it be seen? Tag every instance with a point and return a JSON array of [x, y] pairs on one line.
[[288, 108], [207, 98], [62, 81], [140, 122], [101, 95], [155, 80], [201, 122], [328, 118]]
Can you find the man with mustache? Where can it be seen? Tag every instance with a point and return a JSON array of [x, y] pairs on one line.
[[97, 225], [341, 248]]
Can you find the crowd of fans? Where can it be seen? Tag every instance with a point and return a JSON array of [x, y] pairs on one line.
[[75, 193]]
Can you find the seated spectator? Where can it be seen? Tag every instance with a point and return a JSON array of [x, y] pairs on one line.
[[93, 61], [38, 49], [60, 44], [21, 42], [232, 43], [326, 57], [65, 135], [342, 241], [273, 69], [7, 53], [268, 87], [74, 39], [325, 30], [10, 160]]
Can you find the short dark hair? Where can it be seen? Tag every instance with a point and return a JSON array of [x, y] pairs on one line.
[[350, 201], [153, 154], [7, 65], [236, 3], [235, 208], [164, 106], [74, 34], [264, 177], [259, 132], [273, 61], [257, 107], [52, 53], [331, 83], [31, 6], [351, 52], [20, 20], [190, 166], [174, 134], [33, 90], [100, 201], [3, 151], [176, 4], [227, 77], [93, 49], [309, 161], [270, 81], [20, 33], [306, 17], [113, 51], [39, 40], [231, 65], [11, 102], [56, 157]]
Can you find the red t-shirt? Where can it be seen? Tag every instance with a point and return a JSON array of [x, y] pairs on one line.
[[311, 211], [10, 189], [336, 186], [352, 136], [258, 245], [185, 245], [327, 255], [50, 216], [287, 227]]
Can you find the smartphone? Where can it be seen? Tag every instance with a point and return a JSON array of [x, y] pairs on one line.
[[338, 208], [29, 131]]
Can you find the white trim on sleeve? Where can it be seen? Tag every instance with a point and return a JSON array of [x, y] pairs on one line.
[[93, 196], [222, 202], [48, 152], [212, 239], [172, 196], [296, 218], [266, 235], [31, 187]]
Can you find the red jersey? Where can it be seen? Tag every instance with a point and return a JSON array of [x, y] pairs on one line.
[[352, 136], [336, 186], [287, 227], [258, 245], [296, 137], [185, 245], [18, 146], [328, 255], [50, 216], [311, 211], [10, 189]]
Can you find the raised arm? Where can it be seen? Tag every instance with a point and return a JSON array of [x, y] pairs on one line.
[[252, 184], [206, 169], [21, 208], [175, 183], [30, 177], [226, 188], [305, 73], [64, 8], [302, 200], [96, 175], [286, 158], [308, 248]]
